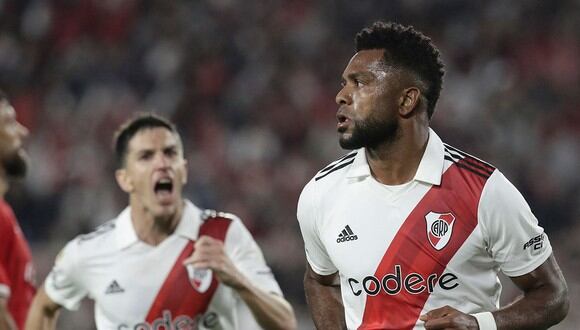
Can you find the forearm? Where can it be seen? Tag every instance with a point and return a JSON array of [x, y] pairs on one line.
[[325, 304], [43, 313], [538, 309], [271, 311], [38, 320], [544, 303]]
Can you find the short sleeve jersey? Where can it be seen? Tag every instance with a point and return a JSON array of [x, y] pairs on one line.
[[16, 269], [139, 286], [438, 240]]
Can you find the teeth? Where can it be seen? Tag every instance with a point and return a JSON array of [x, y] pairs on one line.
[[164, 184]]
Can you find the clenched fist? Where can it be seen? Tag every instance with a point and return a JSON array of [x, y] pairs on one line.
[[209, 253]]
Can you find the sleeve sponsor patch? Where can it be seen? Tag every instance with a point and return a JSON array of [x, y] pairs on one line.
[[535, 244]]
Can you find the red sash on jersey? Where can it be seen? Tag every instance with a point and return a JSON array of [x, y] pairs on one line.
[[458, 193], [177, 294]]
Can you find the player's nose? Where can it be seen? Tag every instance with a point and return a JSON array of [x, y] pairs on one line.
[[343, 97]]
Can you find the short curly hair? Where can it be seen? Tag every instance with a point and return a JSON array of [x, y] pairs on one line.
[[409, 49]]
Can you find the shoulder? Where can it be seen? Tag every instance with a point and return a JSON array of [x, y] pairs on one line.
[[323, 187], [101, 240], [500, 191], [469, 164], [336, 166], [333, 173]]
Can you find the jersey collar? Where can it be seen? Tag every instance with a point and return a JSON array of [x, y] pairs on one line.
[[432, 163], [430, 168], [188, 226]]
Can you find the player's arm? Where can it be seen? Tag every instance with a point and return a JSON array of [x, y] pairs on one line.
[[544, 303], [324, 299], [270, 310], [6, 321], [43, 312]]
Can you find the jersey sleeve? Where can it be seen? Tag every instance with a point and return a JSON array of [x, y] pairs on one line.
[[514, 239], [248, 257], [63, 283], [308, 218]]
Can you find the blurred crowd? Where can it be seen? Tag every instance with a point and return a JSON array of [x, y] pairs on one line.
[[251, 86]]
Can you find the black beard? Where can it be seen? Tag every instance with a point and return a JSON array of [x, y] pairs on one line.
[[16, 165], [371, 133]]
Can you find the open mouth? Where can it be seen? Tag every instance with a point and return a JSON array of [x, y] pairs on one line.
[[163, 188], [342, 123]]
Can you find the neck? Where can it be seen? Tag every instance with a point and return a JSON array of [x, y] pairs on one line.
[[154, 229], [396, 162]]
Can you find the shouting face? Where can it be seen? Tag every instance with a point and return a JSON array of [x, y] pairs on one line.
[[154, 172]]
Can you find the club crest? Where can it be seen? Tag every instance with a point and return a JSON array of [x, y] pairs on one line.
[[200, 279], [439, 228]]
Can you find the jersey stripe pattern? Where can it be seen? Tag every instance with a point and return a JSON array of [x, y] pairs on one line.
[[336, 165], [468, 162], [402, 311], [170, 296]]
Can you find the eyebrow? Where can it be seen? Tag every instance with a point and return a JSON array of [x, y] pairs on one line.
[[359, 75], [164, 148]]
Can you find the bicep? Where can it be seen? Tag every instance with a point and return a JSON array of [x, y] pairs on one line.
[[311, 276], [43, 312], [324, 299], [548, 275]]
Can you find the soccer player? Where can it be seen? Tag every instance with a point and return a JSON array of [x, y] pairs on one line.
[[405, 231], [16, 268], [163, 263]]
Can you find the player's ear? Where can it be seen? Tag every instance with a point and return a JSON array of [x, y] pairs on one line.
[[409, 100], [123, 180]]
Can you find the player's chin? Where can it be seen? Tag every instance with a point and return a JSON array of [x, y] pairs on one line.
[[166, 206], [164, 211], [347, 142]]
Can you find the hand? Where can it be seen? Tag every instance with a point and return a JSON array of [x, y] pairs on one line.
[[449, 318], [209, 253]]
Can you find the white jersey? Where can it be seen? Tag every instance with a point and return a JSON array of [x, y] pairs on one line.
[[438, 240], [137, 286]]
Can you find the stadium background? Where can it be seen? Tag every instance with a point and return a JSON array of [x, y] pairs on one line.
[[251, 86]]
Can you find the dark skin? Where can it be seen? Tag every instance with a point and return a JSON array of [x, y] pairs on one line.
[[373, 90], [323, 298], [543, 304]]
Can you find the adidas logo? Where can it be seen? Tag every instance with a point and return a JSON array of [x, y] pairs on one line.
[[346, 235], [114, 287]]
